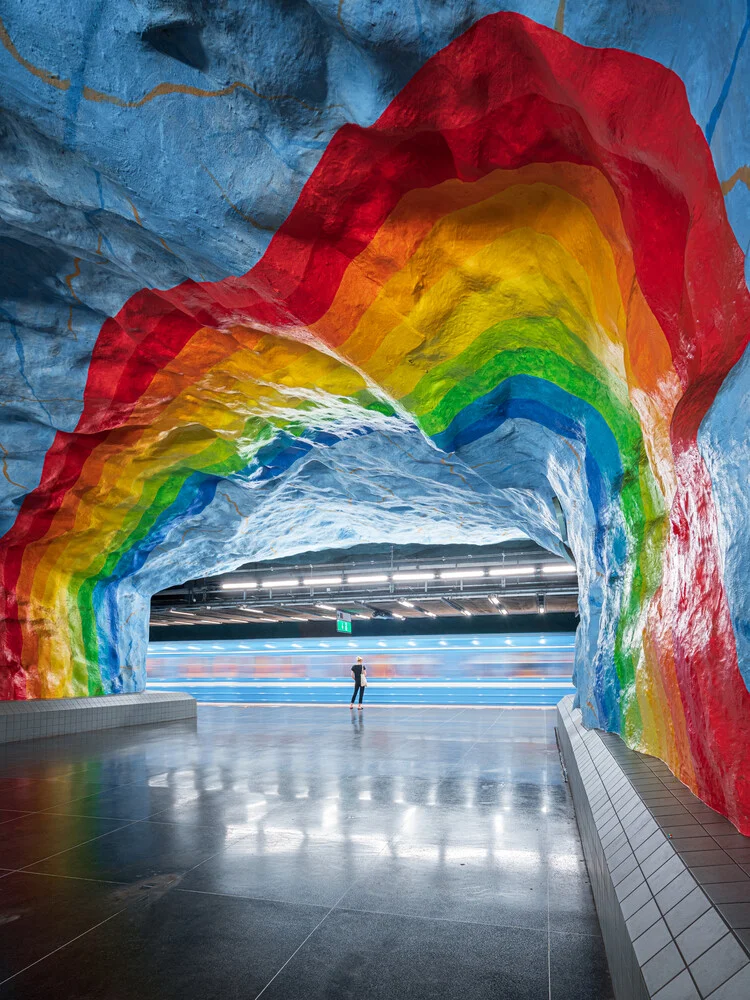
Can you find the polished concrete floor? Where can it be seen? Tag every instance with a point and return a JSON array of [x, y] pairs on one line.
[[297, 852]]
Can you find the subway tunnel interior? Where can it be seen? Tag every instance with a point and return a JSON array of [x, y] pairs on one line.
[[293, 278], [476, 307]]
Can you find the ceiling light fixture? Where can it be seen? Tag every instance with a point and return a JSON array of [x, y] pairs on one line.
[[559, 568], [239, 585], [325, 607], [368, 578], [400, 617], [364, 617], [321, 581], [465, 612], [406, 604], [518, 570], [190, 614], [503, 611], [461, 574], [412, 577], [252, 611], [493, 600], [270, 584], [540, 605]]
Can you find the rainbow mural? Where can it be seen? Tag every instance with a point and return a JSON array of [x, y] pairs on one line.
[[525, 260]]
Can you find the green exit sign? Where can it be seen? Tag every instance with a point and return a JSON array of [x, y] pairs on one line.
[[343, 626]]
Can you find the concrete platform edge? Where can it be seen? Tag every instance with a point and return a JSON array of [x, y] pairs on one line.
[[39, 719], [664, 936], [627, 980]]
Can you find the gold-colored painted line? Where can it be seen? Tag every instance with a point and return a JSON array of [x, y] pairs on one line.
[[740, 174], [136, 216], [42, 74], [228, 200], [560, 17], [233, 504], [166, 246], [160, 90], [5, 469], [340, 19], [76, 273]]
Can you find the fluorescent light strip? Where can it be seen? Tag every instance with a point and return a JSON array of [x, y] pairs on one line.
[[240, 585], [190, 614], [270, 584], [520, 570], [461, 574], [252, 611], [405, 604], [412, 577], [371, 578], [321, 581], [559, 568], [325, 607]]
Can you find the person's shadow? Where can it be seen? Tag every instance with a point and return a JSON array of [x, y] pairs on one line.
[[358, 721]]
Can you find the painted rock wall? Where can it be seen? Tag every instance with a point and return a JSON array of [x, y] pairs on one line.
[[303, 276]]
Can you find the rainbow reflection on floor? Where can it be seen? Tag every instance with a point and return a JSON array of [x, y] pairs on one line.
[[516, 669]]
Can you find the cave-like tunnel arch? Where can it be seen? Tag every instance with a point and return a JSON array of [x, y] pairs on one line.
[[494, 295]]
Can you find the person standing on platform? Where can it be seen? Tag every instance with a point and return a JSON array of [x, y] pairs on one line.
[[359, 673]]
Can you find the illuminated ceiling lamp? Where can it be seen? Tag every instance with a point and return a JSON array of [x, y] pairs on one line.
[[559, 568], [522, 569], [541, 604]]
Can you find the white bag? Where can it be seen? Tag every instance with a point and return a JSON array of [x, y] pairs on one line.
[[363, 678]]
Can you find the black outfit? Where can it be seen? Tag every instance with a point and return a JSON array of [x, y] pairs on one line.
[[358, 686]]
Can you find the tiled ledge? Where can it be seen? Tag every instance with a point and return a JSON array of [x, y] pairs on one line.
[[33, 720], [671, 878]]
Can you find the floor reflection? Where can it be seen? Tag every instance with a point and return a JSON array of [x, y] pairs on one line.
[[287, 817]]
